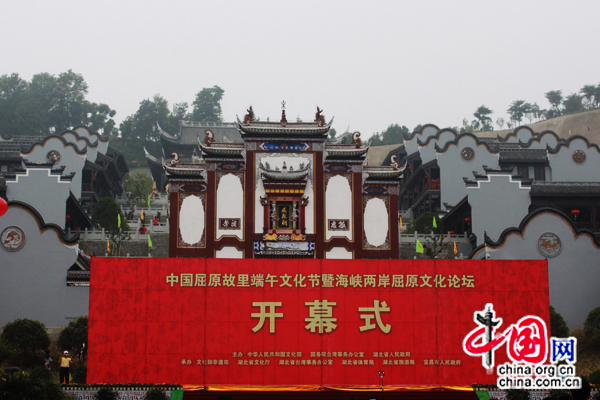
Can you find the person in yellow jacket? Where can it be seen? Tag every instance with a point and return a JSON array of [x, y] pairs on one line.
[[65, 361]]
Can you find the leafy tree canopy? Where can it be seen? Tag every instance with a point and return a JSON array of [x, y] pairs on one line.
[[517, 110], [483, 116], [555, 98], [26, 336], [74, 336], [558, 326], [573, 103], [207, 106], [105, 215], [138, 186], [591, 326], [394, 134], [50, 104]]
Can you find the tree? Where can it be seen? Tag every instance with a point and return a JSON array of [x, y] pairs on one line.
[[482, 115], [50, 104], [74, 337], [589, 96], [558, 326], [105, 215], [25, 336], [141, 129], [332, 133], [106, 393], [500, 122], [555, 99], [394, 134], [138, 187], [207, 106], [24, 386], [156, 393], [573, 103], [517, 109], [518, 394], [591, 326]]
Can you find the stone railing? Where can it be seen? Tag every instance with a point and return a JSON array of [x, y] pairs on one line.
[[448, 237], [92, 234]]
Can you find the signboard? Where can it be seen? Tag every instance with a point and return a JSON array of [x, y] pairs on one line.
[[300, 322]]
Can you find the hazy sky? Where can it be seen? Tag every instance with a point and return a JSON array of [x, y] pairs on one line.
[[368, 63]]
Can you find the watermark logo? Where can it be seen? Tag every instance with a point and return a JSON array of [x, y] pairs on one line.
[[527, 347], [525, 340]]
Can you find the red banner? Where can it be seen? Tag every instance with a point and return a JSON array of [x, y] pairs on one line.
[[300, 322]]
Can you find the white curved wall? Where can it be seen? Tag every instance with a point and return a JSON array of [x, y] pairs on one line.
[[230, 204], [191, 219], [338, 205], [376, 221]]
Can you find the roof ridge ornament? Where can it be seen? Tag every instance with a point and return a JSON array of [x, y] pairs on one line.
[[283, 118], [319, 117]]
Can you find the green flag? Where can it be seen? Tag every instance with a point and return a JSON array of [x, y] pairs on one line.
[[149, 241], [148, 200], [119, 220], [419, 247], [434, 223]]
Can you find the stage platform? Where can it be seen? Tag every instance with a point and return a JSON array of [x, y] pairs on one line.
[[331, 393]]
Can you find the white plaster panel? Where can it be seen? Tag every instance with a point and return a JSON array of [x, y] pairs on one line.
[[574, 274], [43, 191], [259, 210], [69, 158], [453, 168], [102, 147], [411, 145], [565, 169], [191, 219], [229, 252], [339, 253], [497, 203], [338, 205], [376, 221], [72, 137], [309, 215], [85, 132], [230, 204], [547, 140], [33, 279]]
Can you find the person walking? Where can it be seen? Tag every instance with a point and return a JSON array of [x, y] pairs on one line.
[[65, 361]]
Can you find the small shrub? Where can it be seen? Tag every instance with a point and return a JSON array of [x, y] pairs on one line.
[[79, 373], [23, 386], [106, 393], [591, 326], [558, 326], [517, 394], [595, 377], [42, 373], [156, 394]]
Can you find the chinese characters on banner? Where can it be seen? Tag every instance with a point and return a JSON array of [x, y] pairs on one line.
[[299, 322]]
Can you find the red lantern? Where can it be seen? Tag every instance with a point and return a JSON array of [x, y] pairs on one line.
[[575, 213], [3, 206]]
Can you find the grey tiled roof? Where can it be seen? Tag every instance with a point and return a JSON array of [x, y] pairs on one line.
[[190, 131], [542, 188], [523, 155]]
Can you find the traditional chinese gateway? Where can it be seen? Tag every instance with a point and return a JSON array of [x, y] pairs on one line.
[[279, 190]]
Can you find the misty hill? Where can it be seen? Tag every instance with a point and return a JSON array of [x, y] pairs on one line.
[[585, 124]]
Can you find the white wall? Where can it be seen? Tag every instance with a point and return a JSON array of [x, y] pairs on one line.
[[376, 221], [191, 219], [338, 205], [230, 204]]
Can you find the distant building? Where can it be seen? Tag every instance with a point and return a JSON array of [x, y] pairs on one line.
[[51, 185], [524, 196], [277, 189]]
